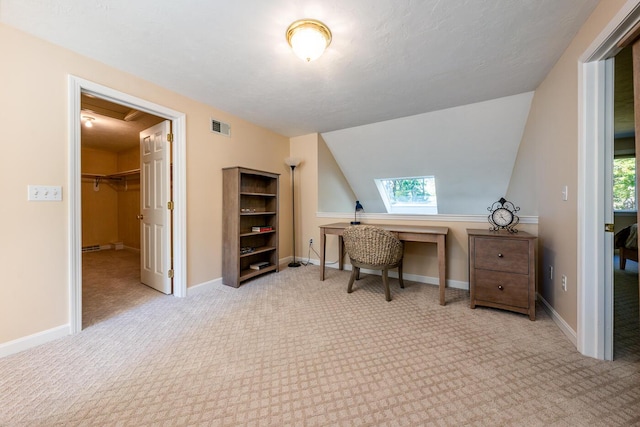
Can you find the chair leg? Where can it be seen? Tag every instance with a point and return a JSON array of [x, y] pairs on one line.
[[352, 278], [400, 275], [385, 281]]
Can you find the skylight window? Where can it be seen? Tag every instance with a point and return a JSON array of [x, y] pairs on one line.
[[414, 195]]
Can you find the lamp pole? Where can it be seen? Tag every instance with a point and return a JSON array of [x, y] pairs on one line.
[[293, 162]]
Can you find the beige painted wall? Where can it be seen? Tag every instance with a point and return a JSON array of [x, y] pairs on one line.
[[35, 236], [129, 200], [110, 214], [624, 219], [522, 190], [334, 192], [551, 136], [99, 208]]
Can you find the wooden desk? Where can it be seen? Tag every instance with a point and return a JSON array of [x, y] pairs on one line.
[[406, 233]]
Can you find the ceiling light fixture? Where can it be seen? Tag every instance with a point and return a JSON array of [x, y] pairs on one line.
[[88, 121], [308, 38]]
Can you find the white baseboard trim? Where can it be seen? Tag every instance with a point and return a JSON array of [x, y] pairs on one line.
[[457, 284], [208, 285], [203, 287], [287, 260], [564, 326], [30, 341]]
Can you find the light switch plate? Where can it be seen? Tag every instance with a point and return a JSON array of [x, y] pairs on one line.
[[44, 193]]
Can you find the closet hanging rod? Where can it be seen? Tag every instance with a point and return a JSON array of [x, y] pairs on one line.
[[116, 176]]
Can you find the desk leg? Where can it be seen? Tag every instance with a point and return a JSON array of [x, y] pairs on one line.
[[340, 252], [323, 250], [442, 266]]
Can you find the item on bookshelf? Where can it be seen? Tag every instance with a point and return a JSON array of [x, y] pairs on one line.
[[262, 228], [502, 215], [259, 265], [247, 210], [246, 250]]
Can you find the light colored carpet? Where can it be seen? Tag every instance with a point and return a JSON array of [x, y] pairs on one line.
[[289, 350], [111, 285]]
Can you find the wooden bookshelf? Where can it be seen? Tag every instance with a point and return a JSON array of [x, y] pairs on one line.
[[250, 199]]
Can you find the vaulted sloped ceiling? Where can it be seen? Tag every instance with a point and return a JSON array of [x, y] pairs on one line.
[[471, 151]]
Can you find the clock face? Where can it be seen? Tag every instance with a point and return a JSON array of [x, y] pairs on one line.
[[502, 217]]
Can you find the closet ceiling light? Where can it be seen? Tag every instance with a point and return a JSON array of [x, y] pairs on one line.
[[88, 121], [308, 38]]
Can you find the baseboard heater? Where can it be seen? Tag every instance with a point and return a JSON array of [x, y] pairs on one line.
[[95, 248]]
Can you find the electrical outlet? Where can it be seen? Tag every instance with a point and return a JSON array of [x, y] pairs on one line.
[[311, 241], [564, 283]]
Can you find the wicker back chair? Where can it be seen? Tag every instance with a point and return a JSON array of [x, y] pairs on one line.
[[375, 249]]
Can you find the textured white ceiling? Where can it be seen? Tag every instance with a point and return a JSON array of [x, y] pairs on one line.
[[388, 59]]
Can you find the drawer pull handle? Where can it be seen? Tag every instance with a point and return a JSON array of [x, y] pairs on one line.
[[501, 287], [500, 255]]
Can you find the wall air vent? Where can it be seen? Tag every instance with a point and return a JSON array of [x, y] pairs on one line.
[[220, 128]]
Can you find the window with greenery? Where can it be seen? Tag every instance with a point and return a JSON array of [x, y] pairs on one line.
[[624, 184], [409, 195]]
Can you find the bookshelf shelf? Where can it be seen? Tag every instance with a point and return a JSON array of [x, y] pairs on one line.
[[255, 233], [249, 274], [257, 213], [244, 193], [259, 251]]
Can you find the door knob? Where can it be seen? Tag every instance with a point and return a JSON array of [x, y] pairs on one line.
[[140, 216]]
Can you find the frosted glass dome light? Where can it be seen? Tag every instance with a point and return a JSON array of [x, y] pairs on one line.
[[308, 38]]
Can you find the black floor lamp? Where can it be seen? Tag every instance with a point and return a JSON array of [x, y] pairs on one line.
[[293, 162]]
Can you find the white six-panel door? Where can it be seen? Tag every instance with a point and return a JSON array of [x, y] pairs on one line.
[[155, 228]]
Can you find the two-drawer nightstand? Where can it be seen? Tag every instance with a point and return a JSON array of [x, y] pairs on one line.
[[502, 270]]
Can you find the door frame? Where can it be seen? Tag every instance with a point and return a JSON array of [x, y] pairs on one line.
[[77, 86], [595, 257]]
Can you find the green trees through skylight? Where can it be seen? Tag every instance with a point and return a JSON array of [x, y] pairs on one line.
[[409, 195]]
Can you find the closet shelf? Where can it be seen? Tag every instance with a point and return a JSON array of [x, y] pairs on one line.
[[114, 176]]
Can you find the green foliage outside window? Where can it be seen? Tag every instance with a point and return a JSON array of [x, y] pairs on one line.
[[624, 184], [409, 190], [413, 195]]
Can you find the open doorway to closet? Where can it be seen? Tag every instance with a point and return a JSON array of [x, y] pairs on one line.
[[178, 237], [113, 137]]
